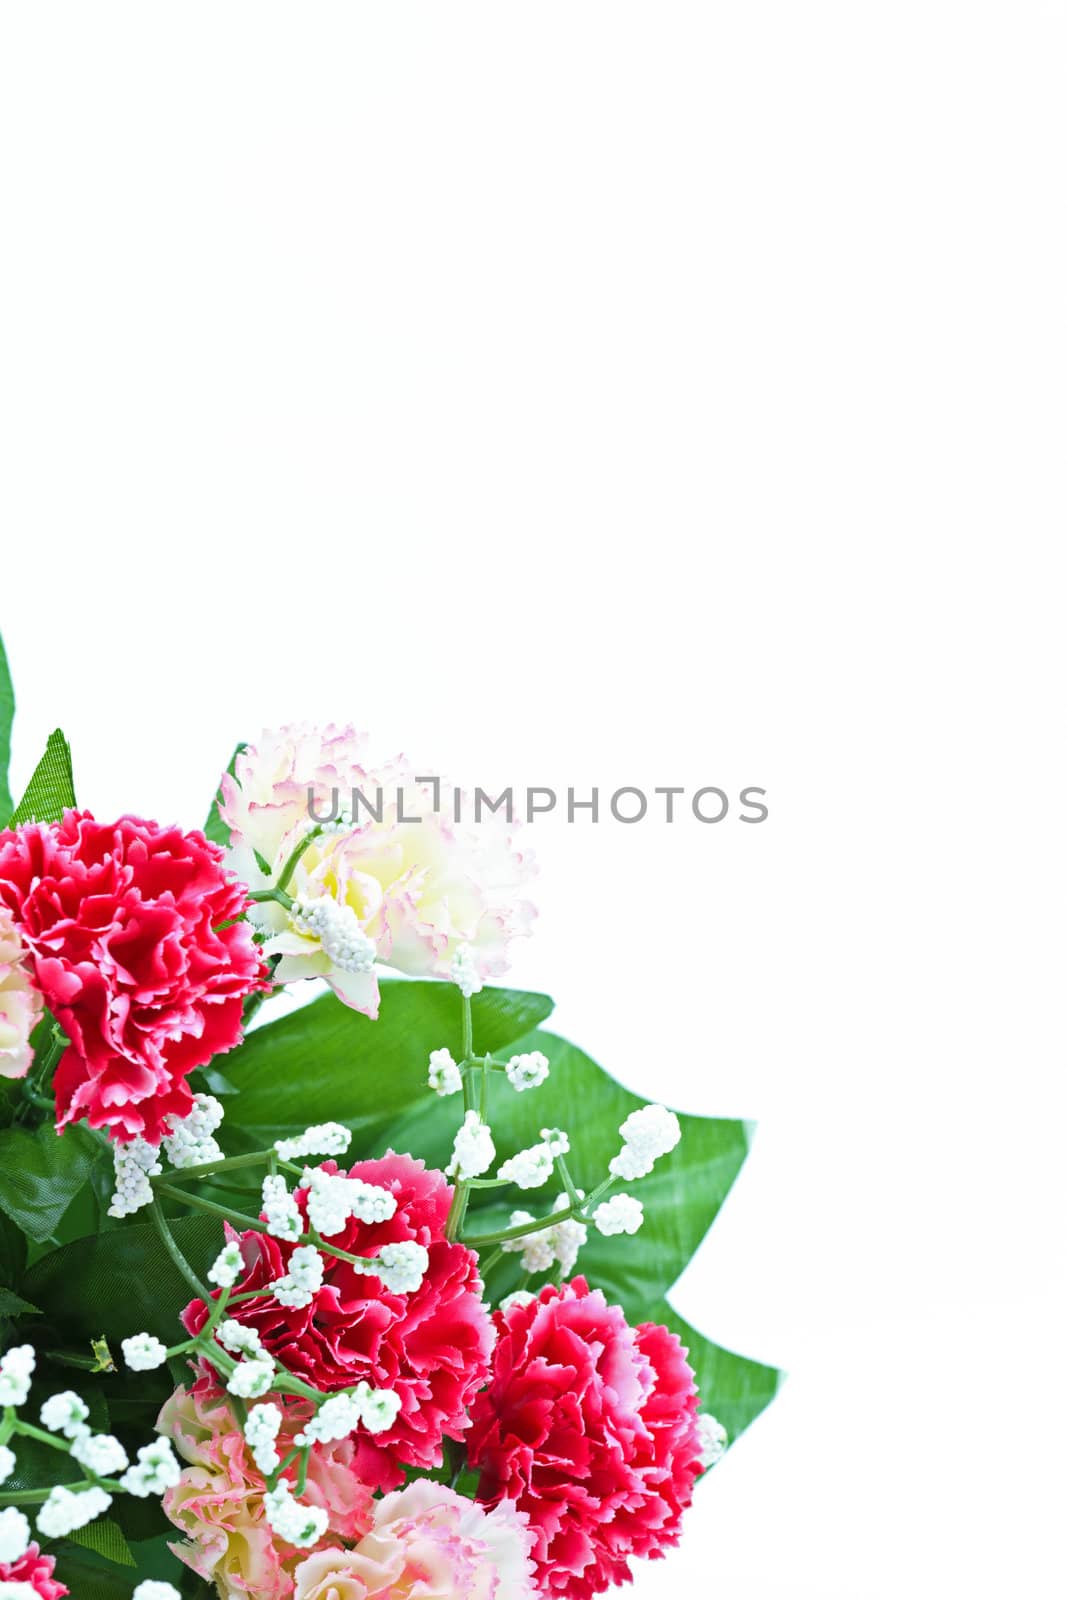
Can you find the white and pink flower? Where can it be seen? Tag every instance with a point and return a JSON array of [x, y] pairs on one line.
[[20, 1003], [400, 882], [427, 1540]]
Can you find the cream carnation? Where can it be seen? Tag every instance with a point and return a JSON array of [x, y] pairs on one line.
[[411, 886], [20, 1003]]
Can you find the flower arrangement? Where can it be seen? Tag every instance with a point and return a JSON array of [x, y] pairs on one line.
[[364, 1300]]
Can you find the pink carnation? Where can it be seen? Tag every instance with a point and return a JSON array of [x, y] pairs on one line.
[[589, 1425], [430, 1346], [427, 1541], [132, 939], [218, 1504], [34, 1570]]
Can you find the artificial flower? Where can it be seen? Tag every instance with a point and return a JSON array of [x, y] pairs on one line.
[[419, 889], [427, 1542], [137, 946], [428, 1345], [217, 1504], [589, 1425], [20, 1002], [36, 1572]]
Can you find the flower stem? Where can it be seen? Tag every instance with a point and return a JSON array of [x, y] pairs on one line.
[[278, 895], [155, 1211], [461, 1193], [290, 866], [209, 1168], [30, 1432], [480, 1240], [241, 1219]]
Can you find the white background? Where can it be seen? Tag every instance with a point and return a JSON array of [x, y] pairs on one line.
[[597, 394]]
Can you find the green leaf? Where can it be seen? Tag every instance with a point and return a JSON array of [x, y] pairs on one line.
[[326, 1062], [214, 827], [122, 1282], [681, 1196], [107, 1539], [40, 1174], [12, 1251], [732, 1388], [7, 716], [13, 1305], [88, 1575], [51, 789]]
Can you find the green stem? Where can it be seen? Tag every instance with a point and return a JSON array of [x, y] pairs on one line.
[[209, 1168], [461, 1193], [28, 1430], [241, 1220], [302, 1475], [37, 1497], [278, 895], [486, 1267], [568, 1183], [468, 1028], [290, 866], [282, 1466], [155, 1211], [480, 1240]]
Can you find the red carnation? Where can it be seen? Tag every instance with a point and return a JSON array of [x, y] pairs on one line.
[[36, 1571], [590, 1426], [430, 1346], [125, 923]]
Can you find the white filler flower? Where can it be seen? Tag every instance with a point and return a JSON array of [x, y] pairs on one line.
[[143, 1352], [445, 1076], [527, 1071], [620, 1214], [647, 1134], [297, 1524], [474, 1151]]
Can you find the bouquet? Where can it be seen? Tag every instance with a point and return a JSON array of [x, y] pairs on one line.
[[367, 1299]]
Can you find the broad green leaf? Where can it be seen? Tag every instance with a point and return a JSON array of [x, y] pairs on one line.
[[12, 1252], [214, 827], [13, 1305], [732, 1388], [122, 1282], [681, 1196], [89, 1576], [326, 1062], [51, 789], [40, 1174], [107, 1539], [7, 716]]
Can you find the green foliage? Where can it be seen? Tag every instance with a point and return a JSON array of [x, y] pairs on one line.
[[681, 1196], [40, 1174], [51, 789], [321, 1063], [326, 1062], [214, 827], [107, 1539], [122, 1282], [732, 1387]]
